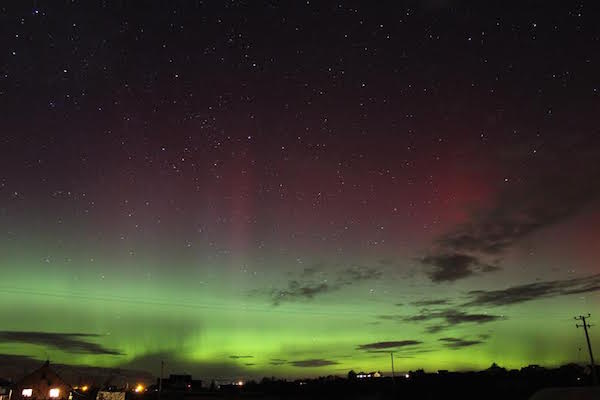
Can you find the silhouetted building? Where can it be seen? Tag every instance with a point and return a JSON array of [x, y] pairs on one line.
[[533, 370], [180, 383], [114, 395], [4, 389], [495, 369], [368, 375], [41, 384]]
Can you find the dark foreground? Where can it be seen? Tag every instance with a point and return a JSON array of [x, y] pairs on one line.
[[489, 385]]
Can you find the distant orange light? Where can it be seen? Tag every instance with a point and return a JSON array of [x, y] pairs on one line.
[[85, 388], [139, 388]]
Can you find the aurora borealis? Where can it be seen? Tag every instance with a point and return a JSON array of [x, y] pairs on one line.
[[248, 189]]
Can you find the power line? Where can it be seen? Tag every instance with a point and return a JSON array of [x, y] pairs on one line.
[[222, 306], [186, 304], [325, 309]]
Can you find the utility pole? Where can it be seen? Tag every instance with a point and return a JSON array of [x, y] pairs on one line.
[[162, 369], [393, 375], [585, 326]]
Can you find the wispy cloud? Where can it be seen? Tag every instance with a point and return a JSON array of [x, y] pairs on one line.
[[388, 345], [297, 290], [534, 291], [436, 328], [236, 357], [68, 342], [306, 288], [448, 318], [449, 267], [402, 352], [519, 214], [458, 343], [431, 302], [315, 362], [310, 271], [358, 273], [549, 194]]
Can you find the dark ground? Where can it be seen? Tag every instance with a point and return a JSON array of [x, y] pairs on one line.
[[490, 384]]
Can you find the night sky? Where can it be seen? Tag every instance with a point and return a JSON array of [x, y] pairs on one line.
[[297, 188]]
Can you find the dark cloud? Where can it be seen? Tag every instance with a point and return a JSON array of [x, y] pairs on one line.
[[316, 362], [17, 359], [388, 345], [534, 291], [249, 364], [358, 273], [307, 289], [68, 342], [15, 366], [300, 291], [427, 303], [454, 317], [388, 317], [278, 361], [457, 343], [436, 328], [449, 318], [543, 196], [387, 261], [449, 267], [309, 271], [403, 352], [236, 357], [519, 214]]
